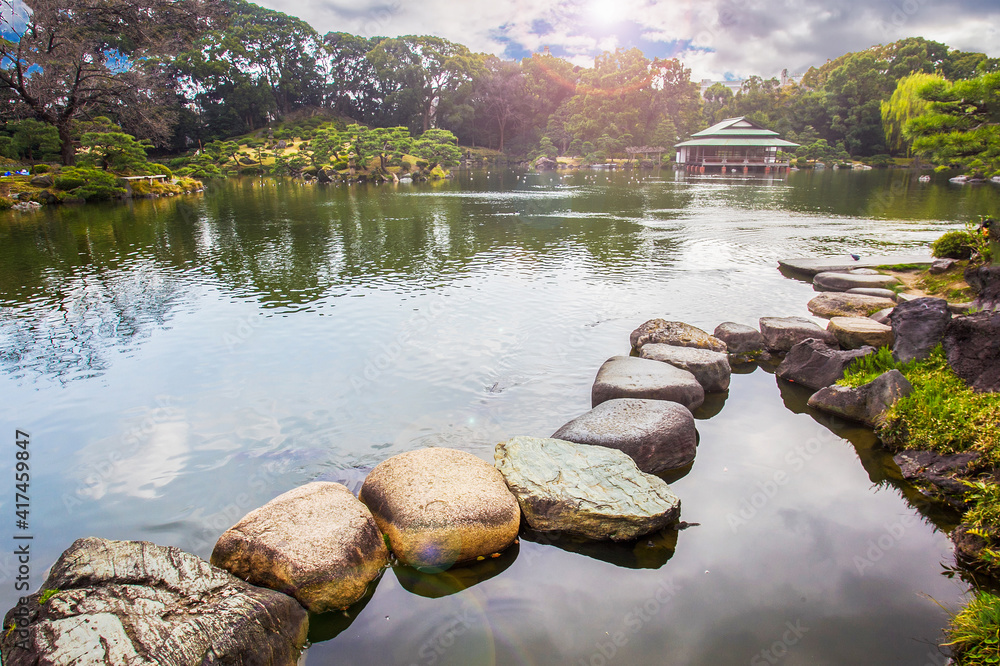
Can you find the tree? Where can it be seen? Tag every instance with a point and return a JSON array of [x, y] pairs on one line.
[[34, 140], [115, 151], [962, 124], [717, 99], [501, 96], [76, 58], [904, 105]]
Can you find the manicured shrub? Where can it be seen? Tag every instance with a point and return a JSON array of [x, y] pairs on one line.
[[340, 165], [40, 169], [953, 245]]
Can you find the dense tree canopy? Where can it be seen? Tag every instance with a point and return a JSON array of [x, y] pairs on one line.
[[191, 73], [73, 60]]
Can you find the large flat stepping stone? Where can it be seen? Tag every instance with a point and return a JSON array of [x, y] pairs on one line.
[[845, 281], [133, 602], [658, 435], [710, 368], [675, 333], [317, 543], [740, 338], [815, 365], [918, 326], [845, 262], [843, 304], [783, 333], [631, 377], [592, 491], [439, 507], [867, 403], [857, 332]]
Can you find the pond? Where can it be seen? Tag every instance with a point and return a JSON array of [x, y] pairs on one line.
[[180, 362]]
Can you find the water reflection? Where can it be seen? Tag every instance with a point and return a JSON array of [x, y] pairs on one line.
[[436, 584]]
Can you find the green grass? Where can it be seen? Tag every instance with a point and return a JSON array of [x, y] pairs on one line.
[[46, 595], [942, 413], [974, 633]]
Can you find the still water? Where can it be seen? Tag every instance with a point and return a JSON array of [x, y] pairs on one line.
[[180, 362]]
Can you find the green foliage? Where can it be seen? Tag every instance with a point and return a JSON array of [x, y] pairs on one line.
[[116, 151], [904, 105], [341, 165], [438, 146], [961, 125], [942, 413], [39, 169], [33, 140], [46, 595], [546, 148], [5, 203], [974, 633], [202, 167], [89, 183]]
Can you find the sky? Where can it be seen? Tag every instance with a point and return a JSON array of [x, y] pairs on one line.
[[717, 39]]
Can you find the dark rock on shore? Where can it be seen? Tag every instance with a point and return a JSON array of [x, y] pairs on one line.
[[972, 344], [133, 602], [866, 404], [918, 326], [942, 472], [658, 435], [814, 364]]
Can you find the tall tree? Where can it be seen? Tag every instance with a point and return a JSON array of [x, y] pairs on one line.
[[962, 125], [904, 105], [71, 59], [501, 96]]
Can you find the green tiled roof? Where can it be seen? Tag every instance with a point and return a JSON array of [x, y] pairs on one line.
[[726, 133]]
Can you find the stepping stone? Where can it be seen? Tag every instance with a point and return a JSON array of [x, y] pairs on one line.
[[845, 262], [710, 368], [317, 543], [842, 304], [857, 332], [134, 602], [440, 507], [593, 491], [783, 333], [674, 333], [873, 291], [740, 338], [815, 365], [845, 281], [658, 435], [631, 377]]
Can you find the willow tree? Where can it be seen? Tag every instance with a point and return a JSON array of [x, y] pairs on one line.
[[68, 60], [904, 105]]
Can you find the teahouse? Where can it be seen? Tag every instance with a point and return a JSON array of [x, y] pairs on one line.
[[734, 143]]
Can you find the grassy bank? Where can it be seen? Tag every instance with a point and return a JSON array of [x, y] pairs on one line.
[[942, 414]]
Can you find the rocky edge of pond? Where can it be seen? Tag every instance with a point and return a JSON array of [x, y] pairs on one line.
[[318, 548]]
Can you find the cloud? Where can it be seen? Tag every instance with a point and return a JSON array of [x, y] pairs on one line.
[[735, 37]]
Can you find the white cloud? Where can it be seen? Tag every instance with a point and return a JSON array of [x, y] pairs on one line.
[[740, 37]]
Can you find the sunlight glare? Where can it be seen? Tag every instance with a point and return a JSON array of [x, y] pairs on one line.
[[604, 11]]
